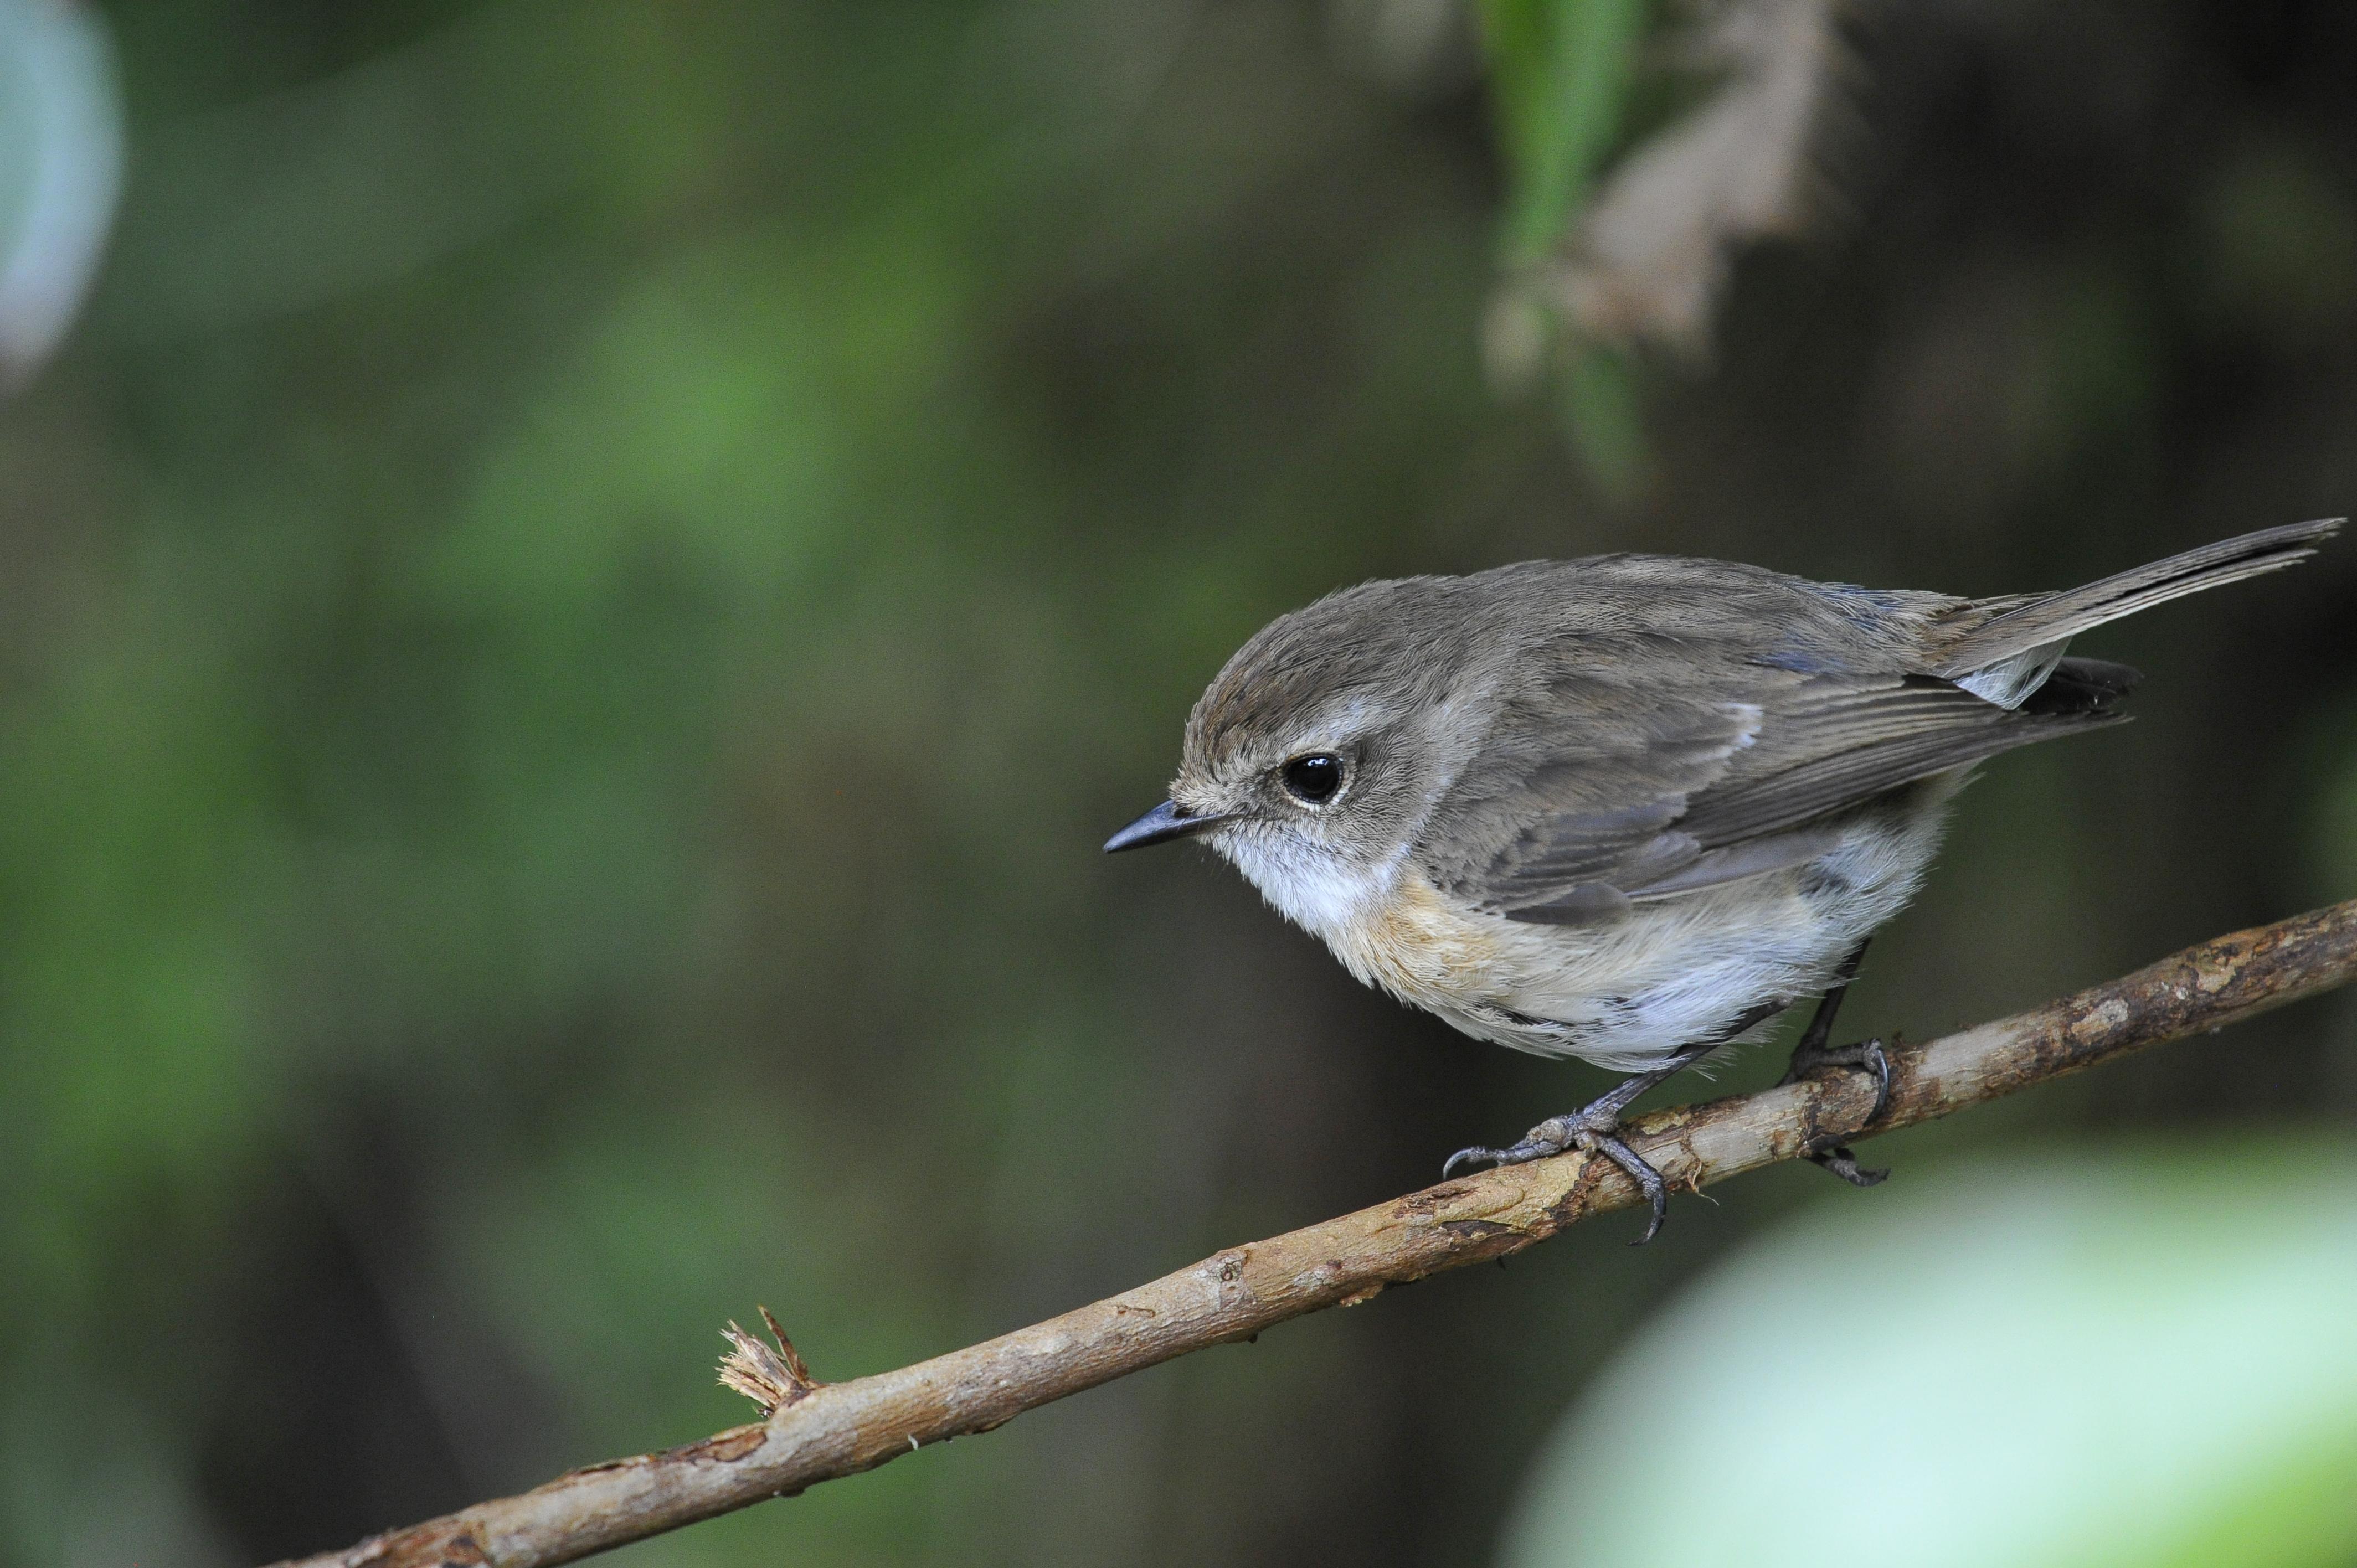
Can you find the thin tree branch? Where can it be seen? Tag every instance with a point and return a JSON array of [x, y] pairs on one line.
[[826, 1430]]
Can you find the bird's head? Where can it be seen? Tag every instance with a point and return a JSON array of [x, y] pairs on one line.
[[1312, 760]]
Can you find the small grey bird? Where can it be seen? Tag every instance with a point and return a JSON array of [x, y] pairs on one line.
[[1629, 808]]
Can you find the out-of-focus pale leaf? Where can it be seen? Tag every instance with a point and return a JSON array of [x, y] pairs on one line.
[[60, 169], [1651, 253], [1592, 272], [2067, 1363]]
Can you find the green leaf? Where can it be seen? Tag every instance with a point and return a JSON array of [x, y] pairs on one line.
[[1601, 414], [1560, 71]]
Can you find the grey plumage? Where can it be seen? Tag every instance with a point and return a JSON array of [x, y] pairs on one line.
[[2026, 624], [1605, 806]]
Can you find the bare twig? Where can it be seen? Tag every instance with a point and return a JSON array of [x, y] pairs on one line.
[[819, 1431]]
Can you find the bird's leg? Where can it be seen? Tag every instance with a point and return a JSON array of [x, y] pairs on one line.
[[1812, 1055], [1595, 1127]]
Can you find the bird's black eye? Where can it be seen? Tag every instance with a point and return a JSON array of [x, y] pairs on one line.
[[1313, 780]]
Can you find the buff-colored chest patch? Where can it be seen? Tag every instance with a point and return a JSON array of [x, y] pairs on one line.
[[1415, 945]]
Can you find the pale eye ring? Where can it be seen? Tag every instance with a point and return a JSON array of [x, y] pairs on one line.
[[1313, 780]]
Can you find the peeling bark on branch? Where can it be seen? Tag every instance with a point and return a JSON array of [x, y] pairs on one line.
[[771, 1377], [827, 1430]]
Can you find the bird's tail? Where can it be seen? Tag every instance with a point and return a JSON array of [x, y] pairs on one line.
[[2032, 632]]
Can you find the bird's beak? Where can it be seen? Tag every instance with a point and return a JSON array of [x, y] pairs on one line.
[[1164, 821]]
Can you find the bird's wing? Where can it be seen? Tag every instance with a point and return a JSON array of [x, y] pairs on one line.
[[1744, 786]]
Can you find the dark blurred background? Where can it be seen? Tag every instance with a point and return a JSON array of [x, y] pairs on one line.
[[586, 583]]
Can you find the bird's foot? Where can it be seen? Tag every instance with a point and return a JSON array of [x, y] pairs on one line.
[[1593, 1130], [1814, 1056], [1811, 1056]]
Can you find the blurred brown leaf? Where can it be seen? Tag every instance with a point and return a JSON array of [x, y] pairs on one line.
[[1651, 255]]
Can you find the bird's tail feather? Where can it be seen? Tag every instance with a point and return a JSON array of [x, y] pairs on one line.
[[2058, 618]]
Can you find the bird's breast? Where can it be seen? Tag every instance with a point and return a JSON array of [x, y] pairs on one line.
[[1419, 945]]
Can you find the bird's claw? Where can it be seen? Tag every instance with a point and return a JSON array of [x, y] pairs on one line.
[[1590, 1131], [1474, 1155], [1842, 1164], [1535, 1145], [1640, 1171], [1867, 1057]]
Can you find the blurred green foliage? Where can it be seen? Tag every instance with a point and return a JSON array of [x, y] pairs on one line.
[[594, 575], [1559, 77]]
